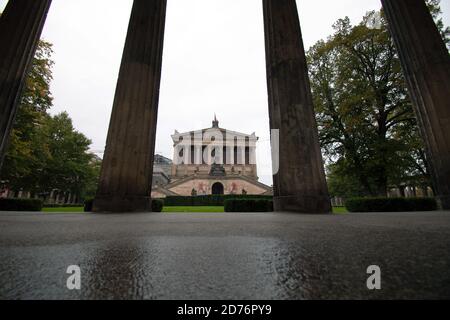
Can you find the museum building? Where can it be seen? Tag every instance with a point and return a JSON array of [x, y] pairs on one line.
[[210, 161]]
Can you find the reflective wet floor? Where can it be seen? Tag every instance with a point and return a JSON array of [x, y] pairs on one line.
[[225, 255]]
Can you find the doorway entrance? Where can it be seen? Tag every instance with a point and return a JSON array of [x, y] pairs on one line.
[[217, 188]]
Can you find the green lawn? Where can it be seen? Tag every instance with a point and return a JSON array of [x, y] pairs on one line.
[[166, 209], [336, 210], [64, 209], [193, 209], [339, 210]]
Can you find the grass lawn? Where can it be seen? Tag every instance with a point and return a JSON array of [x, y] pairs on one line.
[[64, 209], [339, 210], [336, 210], [193, 209]]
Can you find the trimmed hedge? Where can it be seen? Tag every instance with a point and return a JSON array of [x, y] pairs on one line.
[[157, 205], [209, 200], [88, 204], [20, 204], [390, 204], [248, 205]]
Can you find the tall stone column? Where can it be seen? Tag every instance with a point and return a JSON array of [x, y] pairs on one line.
[[231, 153], [126, 175], [252, 157], [300, 184], [20, 29], [426, 65], [198, 155], [241, 154]]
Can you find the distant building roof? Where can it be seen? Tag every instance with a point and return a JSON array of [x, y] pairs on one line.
[[161, 160]]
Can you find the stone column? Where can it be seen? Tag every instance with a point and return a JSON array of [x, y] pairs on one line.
[[253, 161], [231, 153], [300, 184], [126, 175], [252, 156], [241, 154], [20, 29], [198, 155], [187, 154], [426, 65]]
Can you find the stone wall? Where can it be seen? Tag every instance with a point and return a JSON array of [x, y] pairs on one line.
[[157, 195], [184, 170], [204, 187]]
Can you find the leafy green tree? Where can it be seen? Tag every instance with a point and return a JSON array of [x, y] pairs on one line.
[[93, 175], [359, 96], [27, 152], [45, 152], [366, 122], [68, 167], [436, 12]]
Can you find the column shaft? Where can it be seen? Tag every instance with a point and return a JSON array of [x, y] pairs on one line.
[[242, 154], [198, 154], [300, 184], [426, 65], [20, 29], [126, 176], [231, 154]]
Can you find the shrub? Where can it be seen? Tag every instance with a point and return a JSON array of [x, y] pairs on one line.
[[88, 204], [390, 204], [208, 200], [248, 205], [20, 205], [157, 205]]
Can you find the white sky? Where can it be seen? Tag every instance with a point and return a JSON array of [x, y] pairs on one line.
[[214, 62]]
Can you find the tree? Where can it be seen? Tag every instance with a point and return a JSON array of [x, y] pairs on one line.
[[359, 96], [366, 122], [46, 152], [27, 151], [68, 167], [436, 12], [93, 175]]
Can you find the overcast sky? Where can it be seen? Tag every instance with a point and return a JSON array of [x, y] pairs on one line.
[[214, 62]]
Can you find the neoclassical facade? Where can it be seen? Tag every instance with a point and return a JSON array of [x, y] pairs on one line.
[[212, 161]]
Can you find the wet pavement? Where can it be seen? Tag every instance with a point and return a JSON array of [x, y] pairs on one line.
[[225, 255]]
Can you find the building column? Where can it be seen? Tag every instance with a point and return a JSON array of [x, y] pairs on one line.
[[198, 154], [252, 155], [230, 147], [20, 29], [253, 161], [426, 65], [126, 175], [187, 154], [300, 184], [241, 154]]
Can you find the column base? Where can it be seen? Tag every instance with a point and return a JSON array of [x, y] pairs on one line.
[[443, 202], [302, 204], [118, 204]]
